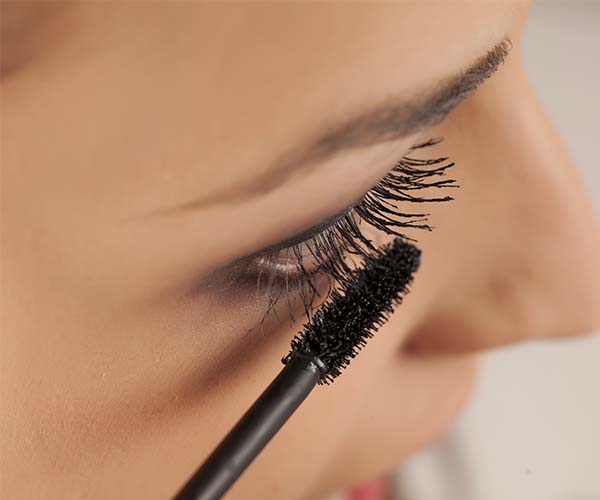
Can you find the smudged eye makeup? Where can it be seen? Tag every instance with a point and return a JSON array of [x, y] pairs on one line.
[[294, 266]]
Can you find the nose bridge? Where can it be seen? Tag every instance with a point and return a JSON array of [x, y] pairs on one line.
[[539, 158], [534, 143]]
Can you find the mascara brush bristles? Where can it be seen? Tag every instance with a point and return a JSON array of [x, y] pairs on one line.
[[356, 309]]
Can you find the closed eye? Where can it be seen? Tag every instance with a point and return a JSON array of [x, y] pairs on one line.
[[294, 265]]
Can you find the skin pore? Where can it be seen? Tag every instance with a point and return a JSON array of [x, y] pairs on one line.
[[119, 373]]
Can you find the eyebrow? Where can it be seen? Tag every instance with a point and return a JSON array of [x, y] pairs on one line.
[[393, 119]]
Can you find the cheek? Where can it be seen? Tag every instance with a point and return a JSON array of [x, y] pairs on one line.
[[100, 400]]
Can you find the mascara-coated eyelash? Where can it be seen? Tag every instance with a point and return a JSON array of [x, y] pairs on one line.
[[295, 266]]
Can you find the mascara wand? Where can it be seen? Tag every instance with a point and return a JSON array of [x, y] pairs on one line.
[[319, 353]]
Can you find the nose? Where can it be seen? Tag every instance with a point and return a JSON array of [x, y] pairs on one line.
[[522, 246]]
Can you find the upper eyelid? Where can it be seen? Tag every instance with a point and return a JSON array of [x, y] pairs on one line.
[[293, 241], [331, 221], [304, 235]]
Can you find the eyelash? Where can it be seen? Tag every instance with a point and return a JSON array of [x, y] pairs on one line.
[[328, 248]]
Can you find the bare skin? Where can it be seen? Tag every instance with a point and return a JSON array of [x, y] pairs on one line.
[[119, 373]]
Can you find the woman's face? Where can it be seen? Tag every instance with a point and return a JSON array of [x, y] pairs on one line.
[[147, 146]]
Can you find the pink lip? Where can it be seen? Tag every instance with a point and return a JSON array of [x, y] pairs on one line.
[[376, 489]]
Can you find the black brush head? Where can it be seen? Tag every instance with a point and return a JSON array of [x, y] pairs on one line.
[[357, 308]]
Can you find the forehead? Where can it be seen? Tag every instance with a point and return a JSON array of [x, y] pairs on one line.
[[278, 70]]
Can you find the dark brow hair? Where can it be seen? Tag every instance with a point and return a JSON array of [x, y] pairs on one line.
[[395, 118]]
